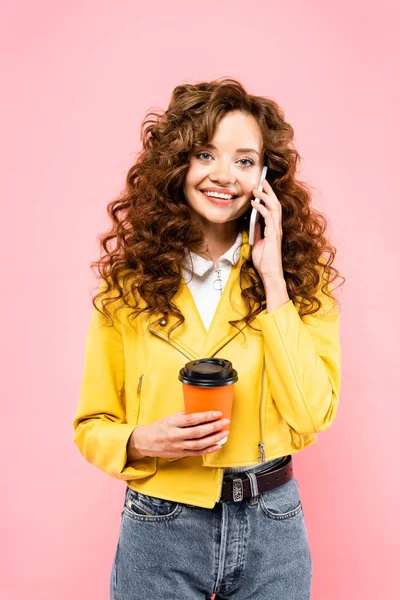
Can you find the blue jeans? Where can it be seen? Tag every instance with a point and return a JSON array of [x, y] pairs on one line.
[[256, 549]]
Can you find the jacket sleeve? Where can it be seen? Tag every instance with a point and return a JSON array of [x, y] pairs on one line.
[[303, 363], [100, 428]]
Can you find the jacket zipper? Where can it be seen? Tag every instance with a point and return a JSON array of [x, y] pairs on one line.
[[220, 486], [139, 387], [138, 392], [261, 447], [162, 337]]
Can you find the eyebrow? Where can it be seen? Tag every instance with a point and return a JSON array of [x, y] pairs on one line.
[[239, 150]]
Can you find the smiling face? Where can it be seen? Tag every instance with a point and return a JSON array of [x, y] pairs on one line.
[[230, 165]]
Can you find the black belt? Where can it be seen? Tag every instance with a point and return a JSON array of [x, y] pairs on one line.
[[236, 486]]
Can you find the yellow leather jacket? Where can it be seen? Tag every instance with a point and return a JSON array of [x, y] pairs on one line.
[[288, 389]]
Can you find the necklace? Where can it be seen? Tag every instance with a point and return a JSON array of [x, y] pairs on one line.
[[218, 284]]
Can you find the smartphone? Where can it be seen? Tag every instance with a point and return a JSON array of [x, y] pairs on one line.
[[255, 215]]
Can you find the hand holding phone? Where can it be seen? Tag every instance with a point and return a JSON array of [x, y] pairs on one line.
[[255, 215]]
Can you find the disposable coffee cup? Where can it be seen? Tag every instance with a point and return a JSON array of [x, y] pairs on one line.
[[208, 384]]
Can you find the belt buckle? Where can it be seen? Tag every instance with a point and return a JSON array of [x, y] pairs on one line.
[[237, 490]]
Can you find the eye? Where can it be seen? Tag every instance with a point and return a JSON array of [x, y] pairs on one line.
[[202, 154], [205, 156], [248, 160]]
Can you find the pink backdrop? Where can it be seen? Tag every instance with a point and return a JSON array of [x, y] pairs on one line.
[[78, 77]]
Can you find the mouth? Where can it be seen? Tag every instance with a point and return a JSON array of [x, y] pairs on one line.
[[219, 199]]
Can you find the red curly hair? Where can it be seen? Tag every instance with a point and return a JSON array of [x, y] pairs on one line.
[[151, 220]]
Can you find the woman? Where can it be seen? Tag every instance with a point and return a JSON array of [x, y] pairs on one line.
[[181, 282]]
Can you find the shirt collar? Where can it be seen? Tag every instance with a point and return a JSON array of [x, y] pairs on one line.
[[202, 265]]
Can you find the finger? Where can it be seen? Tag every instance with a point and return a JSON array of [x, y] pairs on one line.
[[257, 233], [267, 186], [201, 431], [272, 217], [267, 189], [208, 450], [200, 444], [270, 199], [263, 210], [189, 420]]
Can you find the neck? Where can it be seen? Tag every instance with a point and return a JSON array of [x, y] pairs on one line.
[[218, 238]]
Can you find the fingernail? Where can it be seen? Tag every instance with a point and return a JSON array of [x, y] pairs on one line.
[[217, 414]]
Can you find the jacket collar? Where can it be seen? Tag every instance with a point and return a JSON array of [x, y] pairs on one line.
[[192, 338]]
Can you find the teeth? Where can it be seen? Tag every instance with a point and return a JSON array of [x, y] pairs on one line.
[[216, 195]]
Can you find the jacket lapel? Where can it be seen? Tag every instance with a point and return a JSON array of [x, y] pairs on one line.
[[191, 338]]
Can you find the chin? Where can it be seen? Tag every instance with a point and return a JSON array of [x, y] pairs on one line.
[[217, 220]]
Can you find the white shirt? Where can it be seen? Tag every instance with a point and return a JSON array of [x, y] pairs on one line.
[[202, 278]]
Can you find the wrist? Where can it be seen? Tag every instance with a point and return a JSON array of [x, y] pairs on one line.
[[275, 292], [277, 278], [133, 445]]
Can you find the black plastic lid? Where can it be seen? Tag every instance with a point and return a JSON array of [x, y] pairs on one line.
[[208, 372]]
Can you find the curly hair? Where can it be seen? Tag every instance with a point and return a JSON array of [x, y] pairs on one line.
[[151, 221]]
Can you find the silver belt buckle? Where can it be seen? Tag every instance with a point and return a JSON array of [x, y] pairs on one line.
[[237, 490]]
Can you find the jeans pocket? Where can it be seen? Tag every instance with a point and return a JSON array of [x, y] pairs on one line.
[[149, 508], [283, 502]]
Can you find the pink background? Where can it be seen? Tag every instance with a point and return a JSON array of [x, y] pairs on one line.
[[78, 77]]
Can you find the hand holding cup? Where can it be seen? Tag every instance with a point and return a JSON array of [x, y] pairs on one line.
[[178, 435]]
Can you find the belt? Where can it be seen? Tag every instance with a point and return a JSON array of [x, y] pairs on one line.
[[236, 486]]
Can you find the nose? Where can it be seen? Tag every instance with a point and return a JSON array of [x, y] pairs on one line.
[[222, 174]]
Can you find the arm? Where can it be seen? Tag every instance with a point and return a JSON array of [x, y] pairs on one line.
[[302, 357], [100, 428]]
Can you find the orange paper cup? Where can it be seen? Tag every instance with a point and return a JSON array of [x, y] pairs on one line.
[[208, 385]]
